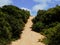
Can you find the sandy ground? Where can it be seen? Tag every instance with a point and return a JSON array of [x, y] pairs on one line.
[[29, 37]]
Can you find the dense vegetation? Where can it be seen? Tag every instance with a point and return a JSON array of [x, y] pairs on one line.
[[12, 21], [47, 22]]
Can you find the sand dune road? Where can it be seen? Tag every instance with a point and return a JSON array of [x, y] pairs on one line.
[[29, 37]]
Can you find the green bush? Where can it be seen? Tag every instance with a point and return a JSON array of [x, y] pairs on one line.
[[38, 26], [48, 23], [53, 35], [12, 22], [5, 30]]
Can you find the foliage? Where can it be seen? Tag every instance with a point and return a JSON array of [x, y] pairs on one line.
[[48, 23], [38, 26], [12, 21]]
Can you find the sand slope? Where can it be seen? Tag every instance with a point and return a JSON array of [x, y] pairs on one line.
[[29, 37]]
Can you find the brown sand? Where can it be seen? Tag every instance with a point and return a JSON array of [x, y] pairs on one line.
[[29, 37]]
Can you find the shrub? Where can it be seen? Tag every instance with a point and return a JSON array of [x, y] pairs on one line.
[[48, 23], [12, 22], [38, 26]]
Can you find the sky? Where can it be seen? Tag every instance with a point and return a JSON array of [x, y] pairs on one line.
[[31, 5]]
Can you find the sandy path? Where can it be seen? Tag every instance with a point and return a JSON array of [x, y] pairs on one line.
[[29, 37]]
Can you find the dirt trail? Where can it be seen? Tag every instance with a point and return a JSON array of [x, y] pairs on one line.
[[29, 37]]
